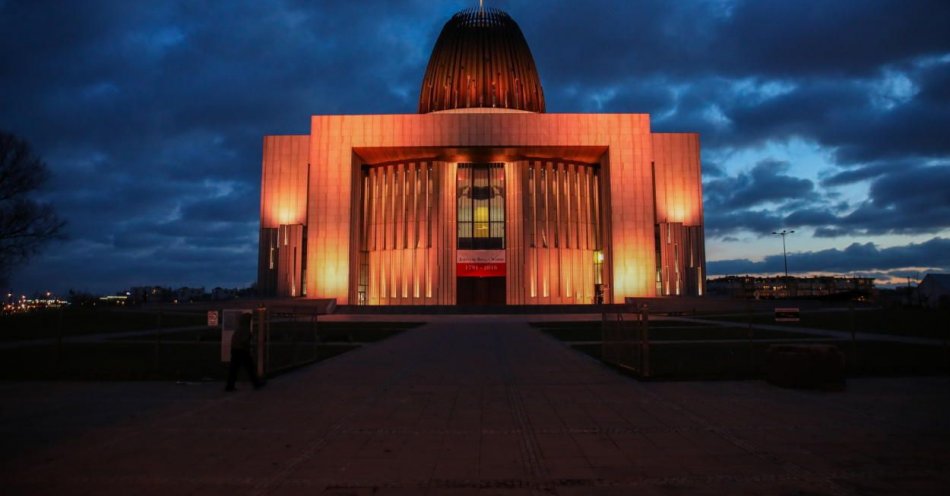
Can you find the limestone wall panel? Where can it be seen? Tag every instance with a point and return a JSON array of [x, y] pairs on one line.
[[284, 180], [628, 204], [678, 178]]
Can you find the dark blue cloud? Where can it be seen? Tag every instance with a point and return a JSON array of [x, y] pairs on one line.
[[150, 114], [768, 181], [912, 199], [856, 257], [862, 173]]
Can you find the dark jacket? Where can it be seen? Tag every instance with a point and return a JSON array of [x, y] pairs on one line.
[[242, 336]]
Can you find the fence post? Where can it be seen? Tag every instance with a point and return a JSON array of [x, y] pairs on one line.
[[59, 343], [854, 337], [316, 331], [261, 316], [946, 349], [622, 345], [645, 338], [295, 329], [750, 333], [158, 346]]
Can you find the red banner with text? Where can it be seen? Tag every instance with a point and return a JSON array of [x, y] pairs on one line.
[[480, 270], [480, 263]]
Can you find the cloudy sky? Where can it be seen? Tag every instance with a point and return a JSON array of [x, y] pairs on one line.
[[831, 118]]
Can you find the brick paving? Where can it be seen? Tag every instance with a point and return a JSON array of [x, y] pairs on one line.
[[473, 405]]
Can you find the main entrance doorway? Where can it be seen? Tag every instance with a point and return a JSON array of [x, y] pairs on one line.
[[481, 291], [480, 265]]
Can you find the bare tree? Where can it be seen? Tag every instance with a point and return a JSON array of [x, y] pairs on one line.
[[25, 223]]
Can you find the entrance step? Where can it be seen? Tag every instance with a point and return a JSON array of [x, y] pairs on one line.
[[476, 309]]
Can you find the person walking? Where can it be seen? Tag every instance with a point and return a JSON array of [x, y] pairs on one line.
[[241, 355]]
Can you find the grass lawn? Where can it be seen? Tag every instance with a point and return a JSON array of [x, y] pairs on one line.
[[661, 330], [289, 331], [741, 361], [921, 322], [727, 359], [80, 321], [185, 356]]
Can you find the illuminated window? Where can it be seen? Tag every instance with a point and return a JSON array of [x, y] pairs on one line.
[[481, 206]]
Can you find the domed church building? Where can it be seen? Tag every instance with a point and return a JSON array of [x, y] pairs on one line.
[[482, 197]]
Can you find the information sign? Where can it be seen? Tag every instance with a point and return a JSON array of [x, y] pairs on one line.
[[790, 314]]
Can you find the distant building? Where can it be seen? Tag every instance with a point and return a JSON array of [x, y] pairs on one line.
[[21, 305], [190, 295], [751, 287], [482, 197], [114, 300], [219, 294], [899, 296], [150, 294], [934, 290]]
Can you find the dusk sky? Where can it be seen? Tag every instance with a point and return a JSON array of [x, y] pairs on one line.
[[829, 117]]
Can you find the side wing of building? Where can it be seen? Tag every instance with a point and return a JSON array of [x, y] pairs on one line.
[[284, 196]]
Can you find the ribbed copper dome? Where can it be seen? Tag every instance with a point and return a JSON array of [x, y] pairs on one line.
[[481, 60]]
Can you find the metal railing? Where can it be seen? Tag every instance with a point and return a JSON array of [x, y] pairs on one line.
[[625, 338], [288, 337]]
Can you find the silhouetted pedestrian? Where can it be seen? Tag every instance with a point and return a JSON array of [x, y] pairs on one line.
[[241, 355]]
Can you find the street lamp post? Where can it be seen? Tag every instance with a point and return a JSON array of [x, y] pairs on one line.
[[784, 254]]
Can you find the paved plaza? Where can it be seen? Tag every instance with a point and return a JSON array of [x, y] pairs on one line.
[[473, 405]]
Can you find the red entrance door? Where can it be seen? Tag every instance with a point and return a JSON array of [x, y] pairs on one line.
[[480, 291]]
